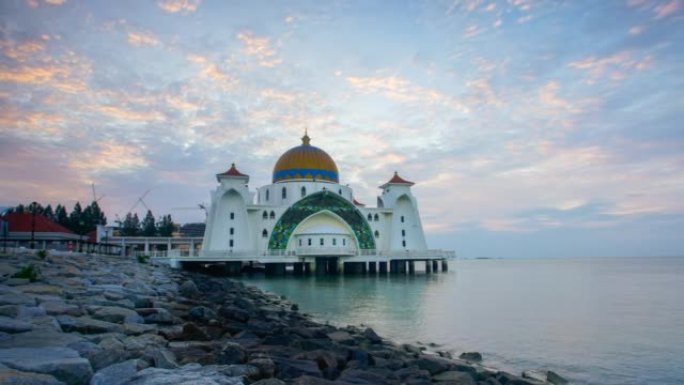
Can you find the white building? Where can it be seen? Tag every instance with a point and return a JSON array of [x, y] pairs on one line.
[[306, 217]]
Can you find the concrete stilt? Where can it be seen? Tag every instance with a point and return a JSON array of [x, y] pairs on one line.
[[428, 267], [383, 267], [393, 266], [411, 267], [445, 265], [298, 268], [321, 266], [372, 267], [435, 266], [309, 268]]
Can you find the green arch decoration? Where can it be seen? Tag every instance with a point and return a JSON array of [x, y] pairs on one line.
[[323, 200]]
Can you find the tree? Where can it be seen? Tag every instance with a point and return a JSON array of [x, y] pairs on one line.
[[61, 216], [131, 225], [48, 212], [165, 226], [149, 228], [76, 222]]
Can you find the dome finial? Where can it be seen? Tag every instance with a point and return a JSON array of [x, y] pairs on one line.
[[305, 138]]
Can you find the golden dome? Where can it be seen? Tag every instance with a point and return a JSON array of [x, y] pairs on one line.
[[305, 162]]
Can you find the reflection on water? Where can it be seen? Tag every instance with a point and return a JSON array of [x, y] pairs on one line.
[[597, 321]]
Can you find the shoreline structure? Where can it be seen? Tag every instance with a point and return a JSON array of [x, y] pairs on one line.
[[102, 320]]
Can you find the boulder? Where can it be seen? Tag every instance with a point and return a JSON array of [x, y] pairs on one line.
[[372, 336], [340, 336], [40, 337], [13, 298], [86, 325], [117, 315], [471, 356], [232, 353], [265, 365], [191, 374], [157, 315], [287, 368], [434, 365], [160, 357], [118, 374], [555, 378], [454, 378], [189, 289], [62, 363], [109, 351], [270, 381], [363, 377], [202, 314], [192, 332], [9, 325], [15, 377]]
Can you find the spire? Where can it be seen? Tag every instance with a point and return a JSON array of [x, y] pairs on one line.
[[305, 138]]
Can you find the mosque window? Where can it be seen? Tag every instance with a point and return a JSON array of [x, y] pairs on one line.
[[284, 193], [272, 215], [230, 243], [402, 219], [376, 218], [339, 191], [309, 243], [403, 243], [303, 191], [370, 217], [403, 232], [267, 194], [232, 215], [377, 234], [300, 242], [264, 215], [322, 241], [344, 242], [334, 241], [232, 231], [264, 234]]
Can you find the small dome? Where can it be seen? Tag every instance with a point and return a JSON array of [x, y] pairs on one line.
[[305, 162]]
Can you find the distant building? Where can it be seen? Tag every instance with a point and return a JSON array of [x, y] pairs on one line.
[[305, 214], [192, 229], [24, 227]]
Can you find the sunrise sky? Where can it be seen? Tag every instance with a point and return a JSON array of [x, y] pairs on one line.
[[531, 128]]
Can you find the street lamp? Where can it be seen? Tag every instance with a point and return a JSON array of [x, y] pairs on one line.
[[33, 224]]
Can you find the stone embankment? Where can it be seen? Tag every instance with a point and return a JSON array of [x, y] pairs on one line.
[[88, 319]]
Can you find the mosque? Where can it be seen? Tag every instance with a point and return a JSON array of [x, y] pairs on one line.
[[306, 219]]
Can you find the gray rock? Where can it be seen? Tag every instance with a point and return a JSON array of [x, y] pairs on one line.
[[9, 311], [340, 336], [63, 363], [191, 374], [555, 378], [372, 336], [202, 314], [234, 313], [85, 325], [157, 315], [454, 378], [232, 353], [434, 365], [136, 346], [117, 315], [136, 329], [9, 325], [471, 356], [290, 368], [15, 377], [109, 351], [12, 298], [189, 289], [357, 376], [118, 374], [265, 365], [510, 379], [270, 381], [161, 357], [41, 337]]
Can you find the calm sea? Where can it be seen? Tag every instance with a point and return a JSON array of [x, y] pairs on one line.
[[594, 321]]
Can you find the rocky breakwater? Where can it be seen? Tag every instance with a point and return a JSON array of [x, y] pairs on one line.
[[102, 320]]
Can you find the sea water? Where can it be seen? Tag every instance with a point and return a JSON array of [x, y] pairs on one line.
[[592, 320]]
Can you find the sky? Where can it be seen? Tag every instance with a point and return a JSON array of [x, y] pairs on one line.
[[531, 128]]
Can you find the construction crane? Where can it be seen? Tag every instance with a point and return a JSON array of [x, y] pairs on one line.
[[140, 200], [95, 197]]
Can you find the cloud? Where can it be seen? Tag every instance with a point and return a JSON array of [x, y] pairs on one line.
[[614, 67], [260, 48], [109, 156], [666, 9], [140, 38], [129, 115], [548, 95], [174, 6], [636, 30], [55, 2], [212, 71]]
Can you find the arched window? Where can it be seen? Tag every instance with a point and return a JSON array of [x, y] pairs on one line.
[[272, 215], [264, 215], [230, 243], [376, 218], [402, 219], [309, 241], [403, 243], [267, 195], [370, 217], [403, 232], [232, 215], [303, 191], [377, 234], [300, 241], [232, 231], [344, 242], [284, 193], [334, 241], [264, 234], [322, 242]]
